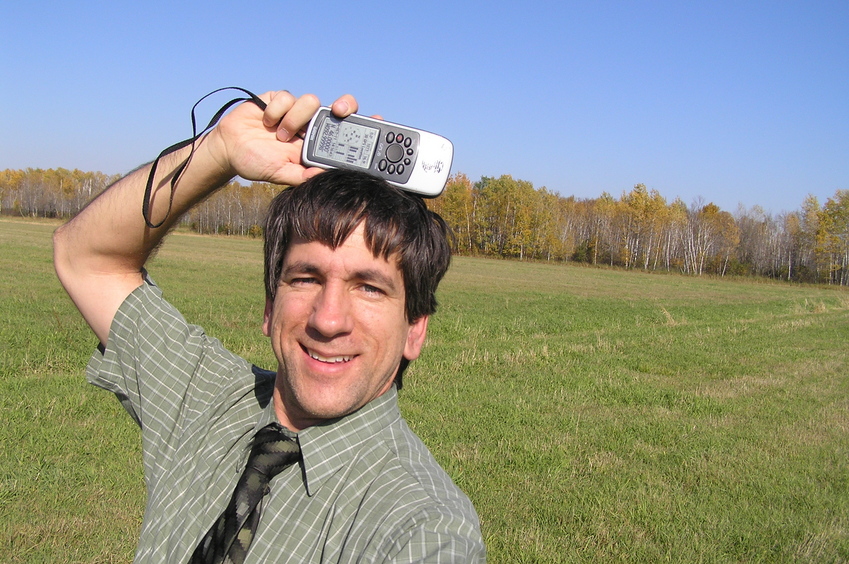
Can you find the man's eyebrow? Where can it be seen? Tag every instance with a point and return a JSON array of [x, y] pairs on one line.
[[300, 267], [376, 276]]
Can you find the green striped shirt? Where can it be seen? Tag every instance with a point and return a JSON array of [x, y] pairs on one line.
[[368, 490]]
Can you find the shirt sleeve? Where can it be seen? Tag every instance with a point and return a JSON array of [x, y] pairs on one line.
[[437, 537], [131, 361], [168, 374]]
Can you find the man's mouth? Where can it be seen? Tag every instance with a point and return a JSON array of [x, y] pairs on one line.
[[328, 359]]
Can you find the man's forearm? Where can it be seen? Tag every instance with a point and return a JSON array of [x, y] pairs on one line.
[[99, 254]]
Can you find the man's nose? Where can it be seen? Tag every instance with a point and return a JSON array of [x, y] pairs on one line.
[[331, 313]]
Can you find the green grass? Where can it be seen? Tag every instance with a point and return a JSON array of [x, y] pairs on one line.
[[592, 415]]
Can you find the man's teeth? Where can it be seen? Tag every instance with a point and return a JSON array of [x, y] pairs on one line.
[[329, 359]]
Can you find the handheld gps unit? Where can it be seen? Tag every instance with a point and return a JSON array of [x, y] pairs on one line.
[[411, 159]]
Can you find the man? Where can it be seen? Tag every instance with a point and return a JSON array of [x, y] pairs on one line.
[[351, 269]]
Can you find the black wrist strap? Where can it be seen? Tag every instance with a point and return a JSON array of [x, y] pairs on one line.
[[251, 97]]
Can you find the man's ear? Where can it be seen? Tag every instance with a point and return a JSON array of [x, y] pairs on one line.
[[416, 338], [266, 317]]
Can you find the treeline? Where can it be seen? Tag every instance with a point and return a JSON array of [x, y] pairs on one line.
[[509, 218], [49, 193], [503, 217], [60, 193]]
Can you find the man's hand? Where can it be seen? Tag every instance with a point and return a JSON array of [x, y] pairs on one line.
[[265, 145]]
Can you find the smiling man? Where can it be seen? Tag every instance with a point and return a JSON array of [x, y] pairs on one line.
[[339, 327], [311, 462]]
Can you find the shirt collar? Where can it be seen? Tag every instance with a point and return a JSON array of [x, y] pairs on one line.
[[328, 447]]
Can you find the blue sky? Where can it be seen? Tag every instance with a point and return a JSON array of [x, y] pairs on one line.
[[734, 102]]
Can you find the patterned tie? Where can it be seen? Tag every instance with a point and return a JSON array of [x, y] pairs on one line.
[[230, 536]]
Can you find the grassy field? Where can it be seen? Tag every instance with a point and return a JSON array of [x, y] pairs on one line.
[[591, 415]]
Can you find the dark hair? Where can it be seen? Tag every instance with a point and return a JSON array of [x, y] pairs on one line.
[[328, 208]]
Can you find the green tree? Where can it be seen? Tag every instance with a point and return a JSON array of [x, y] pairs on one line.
[[834, 237], [457, 208]]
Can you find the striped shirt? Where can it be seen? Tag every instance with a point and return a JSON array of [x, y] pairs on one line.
[[367, 490]]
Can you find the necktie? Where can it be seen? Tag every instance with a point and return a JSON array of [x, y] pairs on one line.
[[230, 536]]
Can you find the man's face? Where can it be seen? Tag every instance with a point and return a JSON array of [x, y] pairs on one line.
[[338, 328]]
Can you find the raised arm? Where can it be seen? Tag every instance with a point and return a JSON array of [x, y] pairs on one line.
[[99, 254]]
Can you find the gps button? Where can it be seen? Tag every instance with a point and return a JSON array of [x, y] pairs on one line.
[[394, 153]]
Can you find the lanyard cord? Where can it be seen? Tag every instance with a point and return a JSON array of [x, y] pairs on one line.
[[251, 97]]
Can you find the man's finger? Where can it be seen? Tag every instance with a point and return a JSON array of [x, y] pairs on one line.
[[297, 117]]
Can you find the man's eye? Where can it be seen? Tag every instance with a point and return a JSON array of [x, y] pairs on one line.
[[302, 281], [369, 289]]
